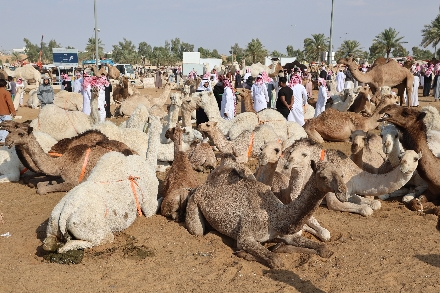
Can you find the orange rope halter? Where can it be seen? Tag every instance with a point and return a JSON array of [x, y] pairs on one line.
[[133, 184], [322, 157], [83, 170], [54, 154], [23, 171], [251, 144]]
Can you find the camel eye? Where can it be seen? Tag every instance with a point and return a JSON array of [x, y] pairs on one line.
[[21, 134], [304, 155], [277, 151], [416, 159]]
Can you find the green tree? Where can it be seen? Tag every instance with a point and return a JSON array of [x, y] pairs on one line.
[[400, 51], [290, 51], [125, 52], [32, 51], [239, 53], [352, 47], [89, 52], [431, 33], [388, 40], [256, 51], [277, 54], [178, 47], [144, 51], [375, 51], [421, 54], [314, 46], [206, 53], [160, 56]]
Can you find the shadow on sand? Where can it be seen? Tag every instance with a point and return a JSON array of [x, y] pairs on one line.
[[292, 279], [431, 259]]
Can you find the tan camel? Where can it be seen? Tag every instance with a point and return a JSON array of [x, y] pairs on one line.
[[180, 179], [120, 91], [383, 74], [410, 123], [246, 100], [333, 125], [73, 166], [247, 211], [113, 72], [201, 156], [362, 103]]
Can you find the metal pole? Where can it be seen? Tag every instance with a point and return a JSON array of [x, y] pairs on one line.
[[96, 37], [331, 36]]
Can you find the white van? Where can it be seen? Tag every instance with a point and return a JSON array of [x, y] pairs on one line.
[[126, 70]]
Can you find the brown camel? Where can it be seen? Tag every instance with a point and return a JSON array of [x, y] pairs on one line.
[[120, 91], [247, 104], [383, 74], [113, 72], [410, 123], [73, 166], [333, 125], [180, 179], [362, 103]]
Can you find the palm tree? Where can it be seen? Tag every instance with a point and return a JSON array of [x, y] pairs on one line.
[[431, 33], [314, 46], [352, 47], [388, 40], [90, 48], [255, 50]]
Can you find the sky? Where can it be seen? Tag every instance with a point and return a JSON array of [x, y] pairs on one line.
[[213, 24]]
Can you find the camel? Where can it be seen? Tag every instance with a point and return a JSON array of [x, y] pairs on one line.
[[413, 129], [266, 173], [383, 74], [358, 182], [333, 125], [367, 153], [362, 103], [26, 72], [247, 104], [180, 179], [201, 156], [113, 72], [120, 91], [247, 211], [73, 166]]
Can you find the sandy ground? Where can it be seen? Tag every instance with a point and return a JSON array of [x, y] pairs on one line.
[[394, 250]]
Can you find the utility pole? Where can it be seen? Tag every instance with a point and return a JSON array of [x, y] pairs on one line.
[[96, 37], [331, 37]]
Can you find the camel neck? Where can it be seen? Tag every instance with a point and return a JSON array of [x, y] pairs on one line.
[[220, 141], [359, 76], [357, 158], [47, 164], [266, 173], [153, 143]]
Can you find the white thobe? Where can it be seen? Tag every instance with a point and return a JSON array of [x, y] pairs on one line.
[[415, 92], [101, 105], [228, 104], [246, 76], [87, 96], [299, 101], [322, 100], [340, 78], [77, 85], [260, 97]]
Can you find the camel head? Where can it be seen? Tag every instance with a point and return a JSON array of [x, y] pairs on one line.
[[358, 139], [270, 153], [302, 152], [208, 127], [390, 136], [186, 89], [402, 117], [176, 99], [346, 61], [175, 134], [409, 161], [329, 178], [190, 103], [18, 136]]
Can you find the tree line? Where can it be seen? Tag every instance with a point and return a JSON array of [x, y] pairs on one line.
[[386, 44]]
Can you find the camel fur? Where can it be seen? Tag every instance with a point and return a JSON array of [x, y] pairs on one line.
[[69, 101], [180, 179], [333, 125], [383, 73], [248, 212]]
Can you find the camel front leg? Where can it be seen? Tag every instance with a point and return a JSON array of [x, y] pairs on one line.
[[333, 203], [194, 221], [313, 227], [253, 247], [299, 241], [46, 187], [360, 200], [313, 134]]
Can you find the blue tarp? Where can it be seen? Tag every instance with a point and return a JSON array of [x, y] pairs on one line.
[[106, 61]]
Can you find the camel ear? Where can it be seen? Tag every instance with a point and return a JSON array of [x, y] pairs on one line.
[[30, 129], [420, 155], [421, 116]]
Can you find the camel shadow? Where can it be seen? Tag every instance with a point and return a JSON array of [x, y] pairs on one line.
[[293, 280], [41, 235], [431, 259]]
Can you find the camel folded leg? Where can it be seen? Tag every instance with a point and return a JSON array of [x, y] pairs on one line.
[[300, 241], [333, 203], [372, 203], [194, 221], [45, 187], [313, 134], [75, 245], [313, 227], [256, 249], [33, 182]]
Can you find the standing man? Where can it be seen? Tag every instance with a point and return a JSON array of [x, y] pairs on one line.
[[108, 90], [298, 107], [285, 101], [340, 81], [158, 78], [77, 84], [238, 80], [45, 93], [7, 110], [12, 87]]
